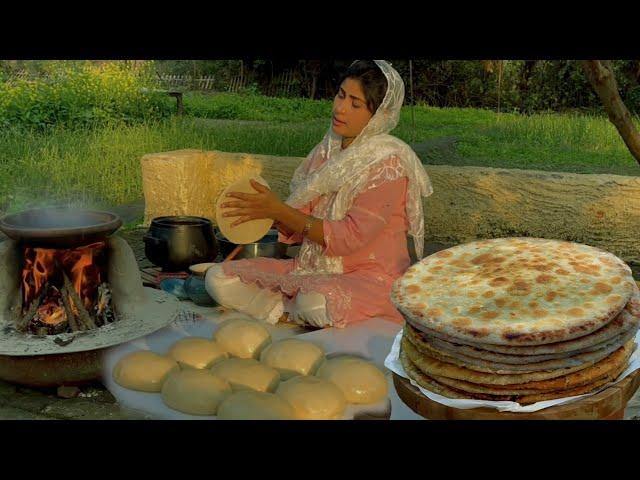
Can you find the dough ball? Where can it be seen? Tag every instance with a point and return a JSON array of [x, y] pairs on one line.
[[196, 352], [360, 381], [251, 405], [247, 374], [293, 357], [144, 370], [313, 398], [196, 392], [242, 338]]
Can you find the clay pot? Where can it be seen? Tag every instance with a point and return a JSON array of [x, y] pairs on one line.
[[52, 370]]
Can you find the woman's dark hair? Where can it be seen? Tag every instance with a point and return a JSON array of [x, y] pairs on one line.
[[373, 81]]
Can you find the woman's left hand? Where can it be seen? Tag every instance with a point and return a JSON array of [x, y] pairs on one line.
[[252, 206]]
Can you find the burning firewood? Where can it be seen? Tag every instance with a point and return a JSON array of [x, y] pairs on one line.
[[71, 312], [23, 323], [50, 314], [103, 309], [85, 320], [63, 290]]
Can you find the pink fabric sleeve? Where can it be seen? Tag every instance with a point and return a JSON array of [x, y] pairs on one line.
[[367, 217], [295, 237]]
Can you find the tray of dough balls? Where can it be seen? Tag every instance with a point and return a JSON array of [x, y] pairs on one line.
[[238, 369]]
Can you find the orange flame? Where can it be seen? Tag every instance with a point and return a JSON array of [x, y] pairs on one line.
[[79, 264]]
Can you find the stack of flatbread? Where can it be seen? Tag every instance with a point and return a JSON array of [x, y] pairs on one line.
[[518, 319]]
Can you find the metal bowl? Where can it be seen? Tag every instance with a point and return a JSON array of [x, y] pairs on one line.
[[267, 246]]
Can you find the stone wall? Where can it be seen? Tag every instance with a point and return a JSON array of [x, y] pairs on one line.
[[468, 202]]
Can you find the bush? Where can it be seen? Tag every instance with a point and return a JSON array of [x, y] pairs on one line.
[[74, 95], [632, 100], [255, 107]]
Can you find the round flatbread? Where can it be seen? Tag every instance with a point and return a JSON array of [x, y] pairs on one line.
[[144, 371], [479, 353], [515, 291], [621, 325], [609, 376], [434, 367], [247, 232], [195, 392], [252, 405], [431, 384], [492, 366]]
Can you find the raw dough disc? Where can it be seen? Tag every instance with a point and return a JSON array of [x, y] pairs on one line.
[[144, 370], [247, 232]]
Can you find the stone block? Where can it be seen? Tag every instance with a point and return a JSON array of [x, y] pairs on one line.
[[468, 203], [188, 182]]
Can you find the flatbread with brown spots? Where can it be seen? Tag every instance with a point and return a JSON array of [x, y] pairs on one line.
[[482, 365], [515, 291], [622, 324], [434, 367], [476, 353], [515, 390], [431, 384]]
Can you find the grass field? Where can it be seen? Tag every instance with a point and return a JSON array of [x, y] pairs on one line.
[[100, 167]]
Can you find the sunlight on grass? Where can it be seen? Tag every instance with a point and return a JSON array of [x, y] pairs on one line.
[[101, 166]]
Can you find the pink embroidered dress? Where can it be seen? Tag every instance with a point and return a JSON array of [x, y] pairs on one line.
[[372, 241], [369, 196]]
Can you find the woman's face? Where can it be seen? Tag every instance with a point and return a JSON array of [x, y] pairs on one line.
[[350, 111]]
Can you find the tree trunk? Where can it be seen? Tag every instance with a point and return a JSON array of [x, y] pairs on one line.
[[314, 82], [603, 81]]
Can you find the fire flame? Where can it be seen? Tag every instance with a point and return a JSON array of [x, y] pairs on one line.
[[44, 265]]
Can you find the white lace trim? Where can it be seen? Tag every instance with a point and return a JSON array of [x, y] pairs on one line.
[[311, 258]]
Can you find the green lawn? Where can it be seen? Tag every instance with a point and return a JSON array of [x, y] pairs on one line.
[[100, 167]]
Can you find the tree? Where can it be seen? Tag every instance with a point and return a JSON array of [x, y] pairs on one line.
[[603, 81]]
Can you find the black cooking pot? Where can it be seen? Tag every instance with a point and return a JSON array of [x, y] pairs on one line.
[[175, 243]]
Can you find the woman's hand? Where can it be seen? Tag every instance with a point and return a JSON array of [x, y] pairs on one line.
[[253, 206]]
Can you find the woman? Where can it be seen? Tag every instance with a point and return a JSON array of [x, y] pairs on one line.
[[353, 200]]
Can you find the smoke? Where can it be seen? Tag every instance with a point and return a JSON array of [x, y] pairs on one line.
[[21, 199]]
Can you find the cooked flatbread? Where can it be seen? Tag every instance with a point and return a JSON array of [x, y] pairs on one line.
[[247, 232], [489, 366], [434, 367], [432, 385], [515, 291], [473, 353], [513, 390], [622, 323]]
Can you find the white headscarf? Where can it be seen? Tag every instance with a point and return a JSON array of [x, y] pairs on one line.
[[346, 173]]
